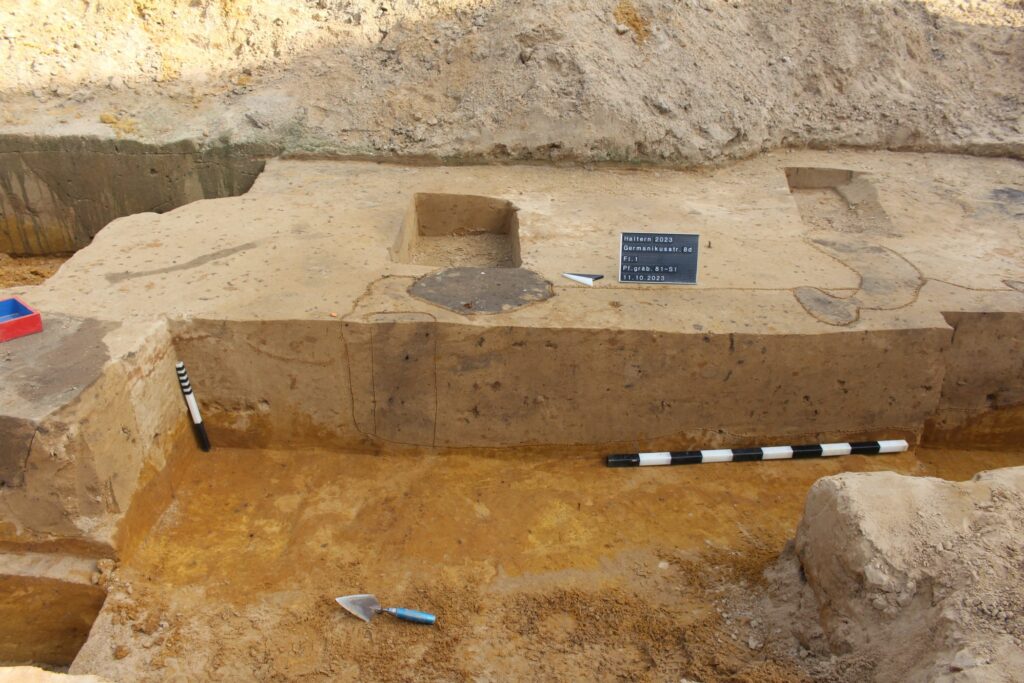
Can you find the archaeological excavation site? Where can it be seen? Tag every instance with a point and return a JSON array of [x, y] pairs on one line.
[[512, 340]]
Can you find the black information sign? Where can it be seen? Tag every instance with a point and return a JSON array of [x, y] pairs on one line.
[[658, 257]]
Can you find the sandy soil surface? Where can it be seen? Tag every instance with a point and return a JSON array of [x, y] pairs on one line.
[[540, 569], [18, 271], [689, 82], [30, 674]]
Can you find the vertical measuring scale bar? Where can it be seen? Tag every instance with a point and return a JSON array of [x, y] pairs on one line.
[[193, 407]]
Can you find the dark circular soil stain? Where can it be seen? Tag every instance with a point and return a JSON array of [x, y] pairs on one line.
[[482, 290]]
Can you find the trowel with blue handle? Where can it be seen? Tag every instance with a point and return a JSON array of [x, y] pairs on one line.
[[366, 607]]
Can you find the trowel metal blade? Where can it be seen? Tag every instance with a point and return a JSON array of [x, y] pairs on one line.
[[364, 606]]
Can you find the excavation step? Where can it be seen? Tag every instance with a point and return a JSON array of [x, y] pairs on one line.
[[841, 297], [48, 603]]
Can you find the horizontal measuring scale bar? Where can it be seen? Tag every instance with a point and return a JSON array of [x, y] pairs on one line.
[[821, 450]]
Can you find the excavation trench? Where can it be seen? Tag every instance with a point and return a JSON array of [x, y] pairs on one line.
[[381, 442], [311, 470]]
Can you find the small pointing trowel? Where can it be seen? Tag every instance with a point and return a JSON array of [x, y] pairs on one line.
[[366, 607]]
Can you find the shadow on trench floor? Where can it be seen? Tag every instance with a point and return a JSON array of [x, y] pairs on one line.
[[539, 569]]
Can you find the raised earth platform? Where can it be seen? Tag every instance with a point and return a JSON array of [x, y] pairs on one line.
[[365, 306]]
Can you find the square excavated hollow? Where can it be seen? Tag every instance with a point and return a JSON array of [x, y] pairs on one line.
[[451, 230]]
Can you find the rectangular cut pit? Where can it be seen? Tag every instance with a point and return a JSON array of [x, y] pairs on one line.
[[451, 230], [837, 200]]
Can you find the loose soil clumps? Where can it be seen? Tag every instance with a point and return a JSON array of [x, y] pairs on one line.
[[691, 82], [915, 578]]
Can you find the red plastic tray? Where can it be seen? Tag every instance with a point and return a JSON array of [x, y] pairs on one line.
[[18, 319]]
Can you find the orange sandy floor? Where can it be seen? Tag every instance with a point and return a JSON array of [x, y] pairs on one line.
[[538, 568]]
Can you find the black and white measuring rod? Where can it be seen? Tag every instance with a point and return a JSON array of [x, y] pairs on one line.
[[819, 450], [193, 407]]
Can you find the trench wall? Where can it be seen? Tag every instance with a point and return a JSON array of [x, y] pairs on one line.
[[71, 475], [423, 385], [48, 603], [57, 193], [84, 483], [982, 403]]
